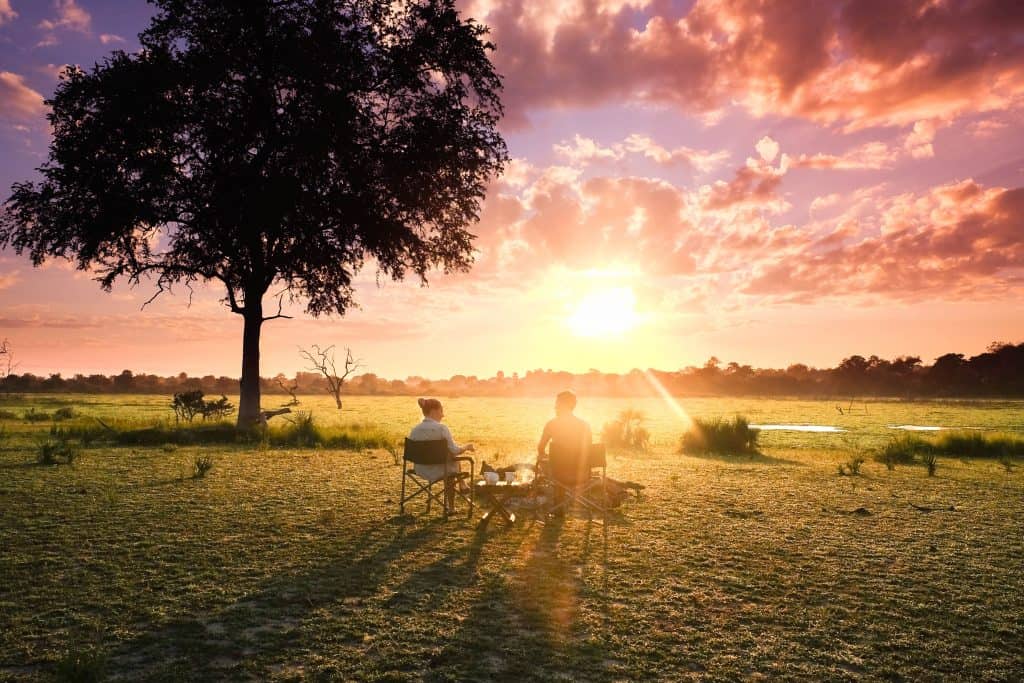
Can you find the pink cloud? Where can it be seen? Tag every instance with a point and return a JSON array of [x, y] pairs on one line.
[[956, 241], [21, 103], [862, 63], [7, 13], [584, 150], [70, 15], [109, 38]]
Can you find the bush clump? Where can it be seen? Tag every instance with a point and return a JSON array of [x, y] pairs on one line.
[[65, 413], [33, 415], [909, 449], [187, 405], [201, 466], [51, 452], [626, 431], [8, 414], [727, 437]]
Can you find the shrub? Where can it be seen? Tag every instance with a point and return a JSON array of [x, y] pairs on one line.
[[978, 445], [201, 466], [720, 436], [84, 666], [188, 404], [8, 415], [5, 435], [65, 413], [85, 434], [162, 435], [626, 431], [33, 415], [852, 466], [49, 452], [901, 450]]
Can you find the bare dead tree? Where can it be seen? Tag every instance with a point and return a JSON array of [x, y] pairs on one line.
[[7, 364], [322, 361], [288, 389]]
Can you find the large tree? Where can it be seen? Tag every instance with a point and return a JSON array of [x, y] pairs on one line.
[[270, 143]]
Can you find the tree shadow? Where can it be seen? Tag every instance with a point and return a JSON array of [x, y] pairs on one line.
[[757, 458], [216, 646]]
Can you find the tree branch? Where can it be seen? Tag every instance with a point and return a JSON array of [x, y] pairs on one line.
[[279, 314]]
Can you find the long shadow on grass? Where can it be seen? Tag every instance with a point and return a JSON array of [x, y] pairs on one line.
[[758, 458], [526, 624], [268, 623]]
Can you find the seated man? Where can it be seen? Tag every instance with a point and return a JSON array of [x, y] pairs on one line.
[[431, 429], [565, 434]]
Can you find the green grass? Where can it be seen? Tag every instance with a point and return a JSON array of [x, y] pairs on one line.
[[291, 563], [719, 436]]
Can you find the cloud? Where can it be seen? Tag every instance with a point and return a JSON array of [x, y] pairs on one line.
[[700, 160], [870, 155], [70, 16], [919, 142], [583, 151], [20, 102], [958, 241], [9, 279], [108, 38], [857, 63], [768, 148], [7, 13], [987, 128]]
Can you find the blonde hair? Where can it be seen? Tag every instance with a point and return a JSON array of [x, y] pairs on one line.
[[428, 405]]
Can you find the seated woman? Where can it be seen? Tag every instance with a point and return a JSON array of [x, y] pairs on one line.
[[431, 429]]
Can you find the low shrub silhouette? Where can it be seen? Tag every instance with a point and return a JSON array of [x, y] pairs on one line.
[[626, 431], [726, 437], [33, 415], [187, 405], [201, 466], [65, 413], [851, 467], [908, 449], [50, 452]]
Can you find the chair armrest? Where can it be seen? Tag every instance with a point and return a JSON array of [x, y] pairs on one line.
[[466, 458]]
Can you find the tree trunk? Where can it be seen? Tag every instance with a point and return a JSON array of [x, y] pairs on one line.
[[249, 386]]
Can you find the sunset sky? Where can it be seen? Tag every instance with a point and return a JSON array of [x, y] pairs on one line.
[[766, 181]]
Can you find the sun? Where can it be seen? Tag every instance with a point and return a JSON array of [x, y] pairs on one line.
[[604, 312]]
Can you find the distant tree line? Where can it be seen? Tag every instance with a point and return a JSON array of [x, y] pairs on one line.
[[998, 372]]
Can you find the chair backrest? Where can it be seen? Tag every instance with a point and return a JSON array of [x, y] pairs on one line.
[[574, 465], [426, 452]]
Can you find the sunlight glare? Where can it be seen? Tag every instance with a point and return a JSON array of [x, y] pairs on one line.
[[604, 312]]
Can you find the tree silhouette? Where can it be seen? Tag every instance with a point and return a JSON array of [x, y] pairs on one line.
[[270, 143]]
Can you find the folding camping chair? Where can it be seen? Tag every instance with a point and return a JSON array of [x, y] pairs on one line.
[[434, 453], [578, 476]]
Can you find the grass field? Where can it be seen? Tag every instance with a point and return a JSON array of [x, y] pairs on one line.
[[293, 564]]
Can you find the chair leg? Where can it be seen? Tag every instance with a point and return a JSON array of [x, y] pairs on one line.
[[401, 502]]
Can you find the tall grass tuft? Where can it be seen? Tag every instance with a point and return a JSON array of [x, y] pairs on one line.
[[49, 452], [901, 450], [727, 437], [978, 445], [201, 466], [626, 431], [908, 449]]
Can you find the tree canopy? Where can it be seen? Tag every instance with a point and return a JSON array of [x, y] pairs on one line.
[[260, 143]]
